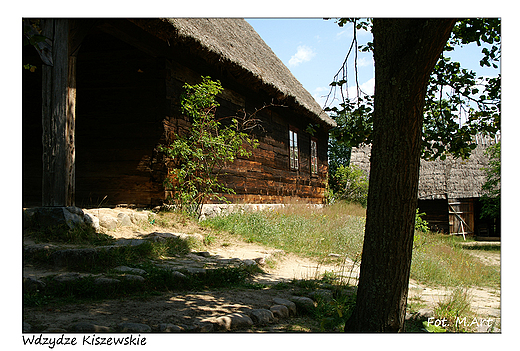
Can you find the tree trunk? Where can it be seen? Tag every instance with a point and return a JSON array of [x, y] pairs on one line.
[[405, 53]]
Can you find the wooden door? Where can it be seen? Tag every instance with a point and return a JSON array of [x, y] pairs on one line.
[[461, 216]]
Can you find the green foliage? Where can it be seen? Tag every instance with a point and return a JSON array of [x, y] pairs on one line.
[[81, 234], [332, 313], [454, 308], [349, 184], [202, 153], [452, 91], [491, 198], [339, 154], [440, 260], [420, 224], [313, 232]]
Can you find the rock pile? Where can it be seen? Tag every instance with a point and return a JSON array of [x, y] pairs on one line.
[[281, 309], [98, 218], [181, 266]]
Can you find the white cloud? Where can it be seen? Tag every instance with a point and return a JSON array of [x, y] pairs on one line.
[[367, 88], [365, 62], [344, 33], [303, 54]]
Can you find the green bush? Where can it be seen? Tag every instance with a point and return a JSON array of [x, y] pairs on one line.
[[420, 224], [350, 184], [201, 154]]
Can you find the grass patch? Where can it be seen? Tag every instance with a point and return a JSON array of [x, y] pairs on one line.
[[308, 232], [441, 260], [63, 234], [453, 309], [437, 259]]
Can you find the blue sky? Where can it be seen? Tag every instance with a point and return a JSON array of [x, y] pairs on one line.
[[314, 49]]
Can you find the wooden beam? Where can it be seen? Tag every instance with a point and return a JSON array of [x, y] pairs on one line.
[[58, 117]]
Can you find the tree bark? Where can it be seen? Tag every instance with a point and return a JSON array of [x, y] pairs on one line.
[[405, 53]]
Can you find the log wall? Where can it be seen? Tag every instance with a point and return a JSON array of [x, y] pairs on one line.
[[265, 177], [128, 103]]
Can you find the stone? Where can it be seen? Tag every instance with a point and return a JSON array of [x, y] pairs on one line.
[[261, 316], [155, 236], [140, 217], [68, 277], [129, 242], [205, 254], [92, 221], [88, 327], [26, 327], [134, 328], [54, 216], [53, 329], [204, 327], [234, 321], [280, 311], [195, 257], [304, 303], [194, 270], [289, 304], [424, 313], [31, 284], [78, 257], [170, 328], [133, 277], [179, 275], [248, 263], [108, 222], [123, 220], [260, 261], [125, 269], [106, 281]]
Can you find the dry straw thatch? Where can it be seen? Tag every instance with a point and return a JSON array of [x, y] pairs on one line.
[[441, 179], [233, 44]]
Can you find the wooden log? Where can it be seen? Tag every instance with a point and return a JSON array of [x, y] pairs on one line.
[[58, 118]]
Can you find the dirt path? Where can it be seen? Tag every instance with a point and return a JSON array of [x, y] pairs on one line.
[[187, 308]]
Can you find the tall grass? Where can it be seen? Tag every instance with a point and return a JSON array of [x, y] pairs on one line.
[[301, 230], [339, 228], [441, 260]]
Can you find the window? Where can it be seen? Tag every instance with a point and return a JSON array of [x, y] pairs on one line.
[[314, 156], [293, 150]]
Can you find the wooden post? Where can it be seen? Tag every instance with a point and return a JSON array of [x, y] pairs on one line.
[[58, 117]]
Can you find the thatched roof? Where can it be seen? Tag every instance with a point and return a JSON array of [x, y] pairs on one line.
[[234, 44], [452, 178]]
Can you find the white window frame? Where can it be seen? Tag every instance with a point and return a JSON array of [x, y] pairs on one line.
[[314, 156], [294, 154]]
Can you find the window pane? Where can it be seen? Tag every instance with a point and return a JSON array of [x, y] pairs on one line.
[[293, 149], [314, 157]]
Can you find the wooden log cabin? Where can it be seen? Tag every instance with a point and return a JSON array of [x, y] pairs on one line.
[[109, 95], [449, 192]]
